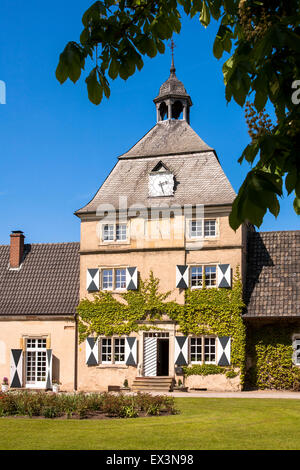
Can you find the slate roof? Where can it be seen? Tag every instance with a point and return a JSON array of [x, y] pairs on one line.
[[199, 176], [273, 274], [46, 284]]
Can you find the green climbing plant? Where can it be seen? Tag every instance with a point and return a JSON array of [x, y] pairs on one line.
[[205, 311]]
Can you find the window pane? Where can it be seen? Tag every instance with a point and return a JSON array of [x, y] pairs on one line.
[[120, 278], [121, 232], [210, 276], [196, 276], [107, 279], [195, 228], [210, 350], [108, 232], [209, 228], [119, 350], [196, 349], [106, 350]]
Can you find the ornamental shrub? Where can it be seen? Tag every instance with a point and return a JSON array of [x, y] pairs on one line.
[[203, 369]]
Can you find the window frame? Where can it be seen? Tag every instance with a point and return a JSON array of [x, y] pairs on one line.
[[203, 338], [113, 340], [203, 220], [203, 266], [114, 287], [114, 239]]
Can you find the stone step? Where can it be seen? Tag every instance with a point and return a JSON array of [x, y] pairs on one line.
[[160, 383]]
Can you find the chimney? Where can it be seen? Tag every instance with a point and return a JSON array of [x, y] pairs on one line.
[[16, 248]]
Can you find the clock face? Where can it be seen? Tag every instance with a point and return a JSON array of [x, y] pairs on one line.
[[161, 184]]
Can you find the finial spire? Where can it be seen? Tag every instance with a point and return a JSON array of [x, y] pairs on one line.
[[172, 69]]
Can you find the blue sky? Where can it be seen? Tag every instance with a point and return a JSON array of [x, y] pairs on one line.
[[56, 148]]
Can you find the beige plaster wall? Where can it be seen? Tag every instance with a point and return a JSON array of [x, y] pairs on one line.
[[61, 339], [216, 382]]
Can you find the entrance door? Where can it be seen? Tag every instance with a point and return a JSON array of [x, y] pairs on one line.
[[162, 357], [36, 363], [156, 354]]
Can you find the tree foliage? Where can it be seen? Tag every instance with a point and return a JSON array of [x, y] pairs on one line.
[[264, 42]]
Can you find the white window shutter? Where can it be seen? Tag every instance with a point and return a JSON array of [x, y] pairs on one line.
[[223, 350], [182, 277], [181, 350], [150, 357], [91, 351], [49, 369], [131, 351], [131, 278], [92, 280], [296, 351], [224, 275], [16, 368]]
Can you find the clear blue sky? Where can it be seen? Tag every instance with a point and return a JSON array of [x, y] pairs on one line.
[[56, 148]]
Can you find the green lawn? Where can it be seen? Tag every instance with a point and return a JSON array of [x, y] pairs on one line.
[[204, 423]]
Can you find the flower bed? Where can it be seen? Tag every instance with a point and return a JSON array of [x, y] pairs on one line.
[[94, 405]]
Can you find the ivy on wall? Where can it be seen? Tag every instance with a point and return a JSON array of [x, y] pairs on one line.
[[205, 311], [270, 349]]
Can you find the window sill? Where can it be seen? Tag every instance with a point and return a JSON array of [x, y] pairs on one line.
[[112, 366]]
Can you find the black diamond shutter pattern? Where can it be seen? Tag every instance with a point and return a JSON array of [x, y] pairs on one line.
[[224, 275], [223, 350], [92, 280], [131, 351], [131, 278], [182, 277], [91, 349], [49, 369], [16, 368], [181, 351]]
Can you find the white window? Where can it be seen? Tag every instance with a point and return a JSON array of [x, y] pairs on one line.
[[209, 350], [210, 228], [120, 279], [106, 352], [197, 273], [210, 276], [202, 228], [112, 350], [121, 232], [36, 362], [196, 276], [107, 279], [113, 279], [196, 228], [203, 350], [114, 232], [108, 232], [196, 350]]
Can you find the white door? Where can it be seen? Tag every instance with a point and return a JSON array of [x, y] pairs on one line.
[[36, 363], [150, 357]]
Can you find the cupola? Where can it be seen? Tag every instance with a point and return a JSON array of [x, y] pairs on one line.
[[173, 102]]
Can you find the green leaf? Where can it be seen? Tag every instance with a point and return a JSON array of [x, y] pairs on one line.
[[297, 205], [71, 61], [291, 180], [113, 70], [205, 15], [218, 48], [95, 90]]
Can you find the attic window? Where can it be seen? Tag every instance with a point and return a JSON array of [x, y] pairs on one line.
[[160, 167]]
